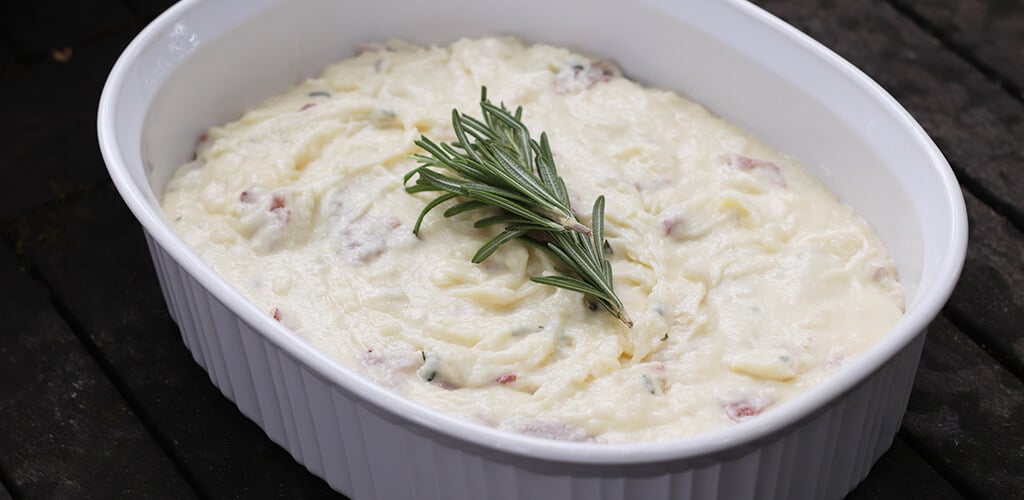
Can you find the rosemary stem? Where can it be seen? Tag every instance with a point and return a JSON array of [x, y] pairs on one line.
[[495, 163]]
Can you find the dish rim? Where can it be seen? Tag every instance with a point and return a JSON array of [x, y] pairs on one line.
[[394, 406]]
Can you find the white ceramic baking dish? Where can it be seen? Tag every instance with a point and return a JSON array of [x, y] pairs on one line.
[[203, 62]]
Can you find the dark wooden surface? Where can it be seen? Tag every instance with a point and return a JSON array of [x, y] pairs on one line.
[[100, 399]]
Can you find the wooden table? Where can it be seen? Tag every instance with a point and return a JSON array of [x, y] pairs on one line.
[[100, 399]]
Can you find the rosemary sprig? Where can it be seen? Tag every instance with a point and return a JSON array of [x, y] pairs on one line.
[[495, 163]]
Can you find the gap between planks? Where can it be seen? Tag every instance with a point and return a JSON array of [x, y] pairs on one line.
[[992, 201], [1004, 360], [933, 458], [935, 461], [1005, 82]]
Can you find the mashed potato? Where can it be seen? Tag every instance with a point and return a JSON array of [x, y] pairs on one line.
[[748, 281]]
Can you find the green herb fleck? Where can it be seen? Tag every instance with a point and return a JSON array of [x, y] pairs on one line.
[[648, 383]]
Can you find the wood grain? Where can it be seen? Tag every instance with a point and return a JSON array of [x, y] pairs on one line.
[[65, 432], [989, 32], [988, 302], [965, 414]]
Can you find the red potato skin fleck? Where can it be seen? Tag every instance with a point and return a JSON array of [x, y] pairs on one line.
[[307, 106], [276, 313], [444, 384], [606, 71], [507, 378], [362, 238], [745, 163], [599, 72], [277, 203], [246, 197], [742, 410], [669, 224], [279, 208], [771, 170]]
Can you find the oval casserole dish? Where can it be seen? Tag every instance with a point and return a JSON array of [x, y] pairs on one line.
[[203, 63]]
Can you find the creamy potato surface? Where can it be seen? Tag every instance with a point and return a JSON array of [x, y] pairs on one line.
[[747, 280]]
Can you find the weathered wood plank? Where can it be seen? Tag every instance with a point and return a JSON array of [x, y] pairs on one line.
[[988, 302], [902, 473], [48, 125], [95, 240], [39, 27], [973, 120], [989, 32], [965, 416], [64, 430]]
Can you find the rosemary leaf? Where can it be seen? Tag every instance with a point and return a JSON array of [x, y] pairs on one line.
[[567, 283], [488, 248], [498, 219], [465, 206], [430, 206]]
